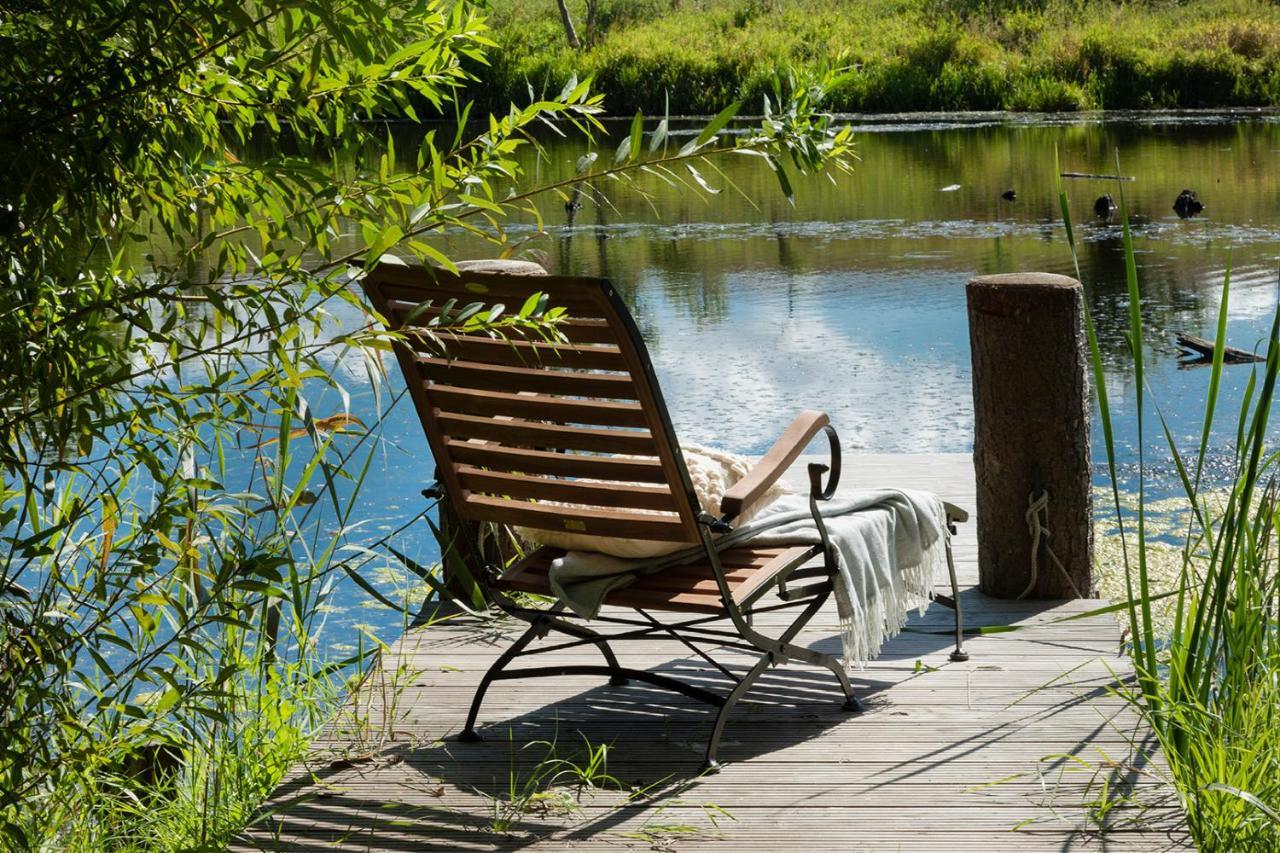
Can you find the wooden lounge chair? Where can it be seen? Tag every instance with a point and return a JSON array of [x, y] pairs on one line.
[[575, 436]]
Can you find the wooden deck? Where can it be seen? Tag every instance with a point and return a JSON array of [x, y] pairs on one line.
[[1020, 748]]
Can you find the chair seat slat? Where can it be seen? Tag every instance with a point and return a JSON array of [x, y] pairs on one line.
[[521, 353], [510, 292], [566, 491], [592, 522], [690, 587], [403, 309], [576, 328], [518, 459]]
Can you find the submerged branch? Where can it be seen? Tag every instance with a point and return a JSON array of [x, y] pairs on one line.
[[1197, 351]]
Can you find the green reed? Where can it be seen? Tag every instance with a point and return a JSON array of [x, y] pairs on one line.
[[184, 673], [1209, 684]]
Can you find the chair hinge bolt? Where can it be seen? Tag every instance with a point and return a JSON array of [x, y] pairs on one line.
[[716, 525]]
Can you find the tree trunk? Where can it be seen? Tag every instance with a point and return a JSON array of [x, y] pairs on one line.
[[592, 7], [1031, 434], [569, 31]]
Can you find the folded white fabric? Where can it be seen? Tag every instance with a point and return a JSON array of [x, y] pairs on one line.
[[889, 543]]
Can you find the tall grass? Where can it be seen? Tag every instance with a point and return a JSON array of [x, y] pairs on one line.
[[902, 54], [1208, 681], [183, 674]]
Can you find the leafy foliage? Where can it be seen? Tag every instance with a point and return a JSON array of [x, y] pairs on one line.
[[908, 54], [185, 190]]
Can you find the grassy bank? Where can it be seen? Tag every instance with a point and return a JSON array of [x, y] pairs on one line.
[[903, 54]]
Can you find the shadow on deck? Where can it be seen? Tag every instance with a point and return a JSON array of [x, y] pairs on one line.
[[1024, 747]]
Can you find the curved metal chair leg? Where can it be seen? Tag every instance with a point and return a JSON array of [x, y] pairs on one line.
[[710, 765], [851, 703], [469, 733], [617, 678], [816, 658], [832, 663]]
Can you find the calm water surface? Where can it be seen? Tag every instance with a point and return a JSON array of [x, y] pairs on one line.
[[852, 299]]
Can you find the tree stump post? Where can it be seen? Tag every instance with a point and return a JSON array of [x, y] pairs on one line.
[[1031, 434], [490, 546]]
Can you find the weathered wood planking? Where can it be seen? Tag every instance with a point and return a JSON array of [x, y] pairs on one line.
[[947, 757]]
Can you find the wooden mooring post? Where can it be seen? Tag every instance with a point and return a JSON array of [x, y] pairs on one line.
[[1031, 449]]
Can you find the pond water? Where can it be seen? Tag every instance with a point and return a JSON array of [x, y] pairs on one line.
[[852, 299]]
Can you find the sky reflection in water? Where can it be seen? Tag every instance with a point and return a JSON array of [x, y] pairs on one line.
[[852, 300]]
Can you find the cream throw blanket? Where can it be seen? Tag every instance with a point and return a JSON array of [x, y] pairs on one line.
[[889, 545]]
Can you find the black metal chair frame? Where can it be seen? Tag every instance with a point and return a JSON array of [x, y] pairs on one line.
[[799, 585], [771, 651]]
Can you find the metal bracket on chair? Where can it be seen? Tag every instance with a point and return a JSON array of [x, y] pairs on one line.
[[715, 525], [801, 592], [434, 492]]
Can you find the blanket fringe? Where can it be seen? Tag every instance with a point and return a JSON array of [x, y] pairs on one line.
[[865, 626]]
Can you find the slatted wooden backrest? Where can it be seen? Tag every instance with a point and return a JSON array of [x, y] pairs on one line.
[[558, 436]]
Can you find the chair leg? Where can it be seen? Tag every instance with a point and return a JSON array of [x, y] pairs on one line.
[[536, 628], [959, 655], [851, 703], [617, 679], [779, 650], [710, 765]]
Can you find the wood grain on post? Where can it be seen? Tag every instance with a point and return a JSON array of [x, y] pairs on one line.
[[1031, 432]]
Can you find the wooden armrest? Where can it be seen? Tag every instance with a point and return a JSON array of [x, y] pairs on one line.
[[773, 464]]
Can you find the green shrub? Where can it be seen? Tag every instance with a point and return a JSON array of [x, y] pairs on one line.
[[909, 54], [1039, 94], [1205, 78]]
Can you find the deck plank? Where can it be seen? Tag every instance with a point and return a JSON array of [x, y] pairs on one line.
[[1006, 752]]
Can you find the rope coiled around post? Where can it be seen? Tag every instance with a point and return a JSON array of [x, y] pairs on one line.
[[1038, 506]]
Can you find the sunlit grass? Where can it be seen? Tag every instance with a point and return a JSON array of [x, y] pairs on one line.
[[905, 54]]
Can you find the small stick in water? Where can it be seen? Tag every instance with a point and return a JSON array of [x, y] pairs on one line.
[[1098, 177], [1200, 351]]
